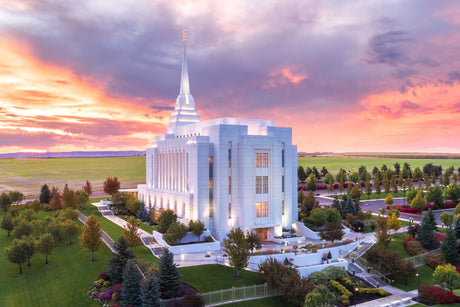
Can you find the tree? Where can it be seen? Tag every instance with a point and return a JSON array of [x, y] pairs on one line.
[[118, 261], [418, 202], [309, 203], [447, 219], [389, 200], [457, 228], [378, 190], [45, 245], [150, 292], [16, 197], [253, 240], [431, 218], [452, 191], [24, 228], [165, 220], [56, 200], [320, 297], [349, 208], [69, 229], [7, 223], [88, 188], [82, 198], [168, 276], [341, 186], [54, 228], [393, 222], [301, 174], [368, 186], [417, 174], [91, 234], [341, 176], [425, 235], [131, 232], [354, 177], [45, 194], [446, 276], [328, 178], [386, 185], [356, 192], [324, 171], [197, 228], [111, 185], [34, 205], [175, 233], [131, 291], [382, 233], [30, 248], [311, 182], [16, 253], [406, 270], [237, 249], [332, 232], [5, 201], [410, 194], [434, 195], [449, 247], [363, 173]]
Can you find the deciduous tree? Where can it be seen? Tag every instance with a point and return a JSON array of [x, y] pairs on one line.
[[253, 240], [311, 183], [5, 201], [237, 249], [69, 229], [197, 228], [389, 200], [131, 232], [332, 232], [91, 235], [24, 228], [16, 253], [446, 276], [30, 248], [111, 185], [82, 198], [16, 197], [7, 223], [166, 218], [447, 219], [45, 245], [88, 188], [394, 222], [382, 233]]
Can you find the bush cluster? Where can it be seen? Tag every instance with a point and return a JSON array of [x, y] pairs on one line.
[[437, 295], [345, 295], [377, 291], [434, 260]]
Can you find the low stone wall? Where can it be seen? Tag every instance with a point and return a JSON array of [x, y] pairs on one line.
[[306, 271], [188, 248]]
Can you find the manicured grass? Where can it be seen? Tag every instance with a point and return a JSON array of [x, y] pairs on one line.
[[63, 282], [333, 164], [396, 244], [213, 277], [114, 231], [274, 301], [426, 278]]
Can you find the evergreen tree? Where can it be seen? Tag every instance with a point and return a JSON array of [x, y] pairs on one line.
[[432, 219], [457, 228], [150, 292], [349, 207], [336, 204], [143, 215], [168, 276], [449, 247], [426, 233], [377, 187], [131, 290], [45, 194], [118, 261], [301, 176]]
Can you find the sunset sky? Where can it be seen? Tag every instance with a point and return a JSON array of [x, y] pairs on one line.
[[345, 75]]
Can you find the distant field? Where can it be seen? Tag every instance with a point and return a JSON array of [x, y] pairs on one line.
[[28, 175], [334, 164]]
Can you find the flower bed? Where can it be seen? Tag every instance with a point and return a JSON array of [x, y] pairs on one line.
[[437, 295]]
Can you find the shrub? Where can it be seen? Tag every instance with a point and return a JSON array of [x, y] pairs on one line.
[[195, 300], [105, 296], [434, 260], [208, 239], [103, 275], [440, 237], [370, 225], [414, 248], [438, 295], [345, 295], [408, 239], [357, 225], [377, 291]]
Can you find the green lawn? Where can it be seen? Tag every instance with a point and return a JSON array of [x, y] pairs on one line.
[[274, 301], [213, 277], [396, 244], [426, 278], [114, 231], [63, 282], [334, 164]]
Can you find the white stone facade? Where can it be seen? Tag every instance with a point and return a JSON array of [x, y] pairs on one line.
[[227, 172]]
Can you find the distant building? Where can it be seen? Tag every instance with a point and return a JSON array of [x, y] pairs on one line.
[[226, 172]]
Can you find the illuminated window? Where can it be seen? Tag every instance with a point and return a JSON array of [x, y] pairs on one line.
[[261, 159], [282, 207], [262, 209], [229, 185], [282, 183], [229, 157], [229, 210], [261, 184], [282, 158]]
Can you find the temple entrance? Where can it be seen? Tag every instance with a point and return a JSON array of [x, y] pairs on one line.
[[262, 233]]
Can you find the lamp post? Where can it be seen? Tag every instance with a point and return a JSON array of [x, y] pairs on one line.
[[418, 283], [356, 293], [378, 285]]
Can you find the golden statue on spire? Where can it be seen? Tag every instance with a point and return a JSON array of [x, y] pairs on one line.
[[185, 35]]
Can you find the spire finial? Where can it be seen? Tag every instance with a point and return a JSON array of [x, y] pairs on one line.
[[185, 35]]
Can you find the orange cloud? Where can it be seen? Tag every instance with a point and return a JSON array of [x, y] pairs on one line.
[[49, 102], [284, 77]]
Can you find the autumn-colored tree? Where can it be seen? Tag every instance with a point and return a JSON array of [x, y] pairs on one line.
[[111, 185], [131, 232], [382, 233], [69, 199], [389, 200], [394, 222], [311, 182], [56, 200], [446, 276], [332, 232], [88, 188], [91, 234], [418, 202]]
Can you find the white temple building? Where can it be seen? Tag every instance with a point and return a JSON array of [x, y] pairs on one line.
[[226, 172]]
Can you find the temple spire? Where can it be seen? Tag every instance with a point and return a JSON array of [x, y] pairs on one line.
[[184, 110]]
